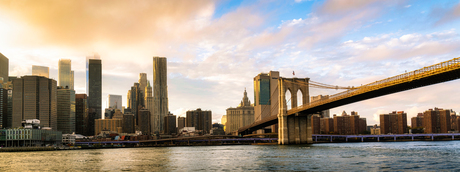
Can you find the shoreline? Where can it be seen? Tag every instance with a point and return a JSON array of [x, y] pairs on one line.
[[35, 149]]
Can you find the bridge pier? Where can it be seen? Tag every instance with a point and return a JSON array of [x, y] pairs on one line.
[[294, 130]]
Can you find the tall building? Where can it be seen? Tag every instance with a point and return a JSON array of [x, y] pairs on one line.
[[201, 120], [114, 101], [240, 116], [142, 85], [327, 125], [437, 120], [94, 86], [180, 123], [150, 106], [35, 97], [417, 122], [4, 64], [65, 110], [315, 124], [160, 91], [81, 114], [144, 121], [3, 107], [40, 71], [129, 123], [395, 123], [170, 124], [66, 74], [135, 100], [266, 95]]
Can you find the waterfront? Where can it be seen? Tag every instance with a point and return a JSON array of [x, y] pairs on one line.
[[370, 156]]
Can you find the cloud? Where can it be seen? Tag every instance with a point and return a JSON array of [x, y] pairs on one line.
[[447, 15], [86, 23]]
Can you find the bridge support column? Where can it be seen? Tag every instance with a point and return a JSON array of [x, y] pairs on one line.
[[294, 130], [282, 130]]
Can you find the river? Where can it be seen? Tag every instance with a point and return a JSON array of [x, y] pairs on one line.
[[370, 156]]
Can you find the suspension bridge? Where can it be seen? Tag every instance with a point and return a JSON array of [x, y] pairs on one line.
[[294, 126]]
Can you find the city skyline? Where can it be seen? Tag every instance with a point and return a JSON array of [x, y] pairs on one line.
[[222, 46]]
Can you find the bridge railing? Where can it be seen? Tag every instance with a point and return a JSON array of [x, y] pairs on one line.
[[391, 81]]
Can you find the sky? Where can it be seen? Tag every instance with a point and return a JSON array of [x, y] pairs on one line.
[[215, 48]]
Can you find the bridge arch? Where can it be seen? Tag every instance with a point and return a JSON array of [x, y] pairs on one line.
[[294, 85]]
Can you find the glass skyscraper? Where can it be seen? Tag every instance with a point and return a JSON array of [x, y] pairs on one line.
[[66, 74], [94, 86]]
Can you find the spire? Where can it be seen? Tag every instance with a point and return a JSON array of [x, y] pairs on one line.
[[148, 84], [245, 101]]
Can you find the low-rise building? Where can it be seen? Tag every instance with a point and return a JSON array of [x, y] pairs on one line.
[[29, 137]]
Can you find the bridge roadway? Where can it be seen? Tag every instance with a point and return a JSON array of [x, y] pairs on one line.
[[438, 73]]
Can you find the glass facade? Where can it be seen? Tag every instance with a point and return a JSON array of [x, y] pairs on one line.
[[65, 74], [264, 93]]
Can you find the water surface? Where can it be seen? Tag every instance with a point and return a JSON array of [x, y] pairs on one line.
[[371, 156]]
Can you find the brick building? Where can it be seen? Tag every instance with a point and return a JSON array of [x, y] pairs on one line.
[[327, 125], [437, 120], [417, 122], [395, 123]]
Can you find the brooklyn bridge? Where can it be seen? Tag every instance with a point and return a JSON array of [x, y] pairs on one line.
[[294, 125]]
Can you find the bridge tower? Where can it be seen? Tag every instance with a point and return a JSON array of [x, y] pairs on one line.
[[293, 129]]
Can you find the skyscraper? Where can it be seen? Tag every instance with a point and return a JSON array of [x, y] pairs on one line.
[[65, 74], [65, 110], [81, 114], [94, 86], [40, 71], [114, 101], [143, 84], [265, 105], [160, 91], [135, 100], [34, 97], [149, 106], [4, 63], [144, 121]]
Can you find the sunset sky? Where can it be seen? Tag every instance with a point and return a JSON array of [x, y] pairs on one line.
[[216, 48]]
